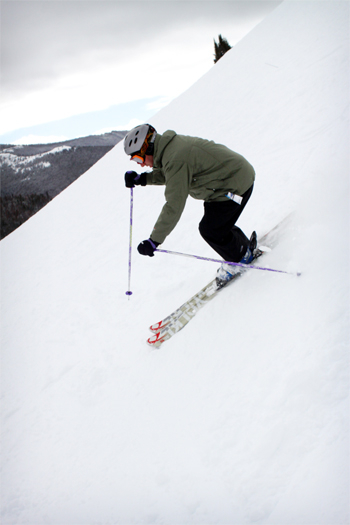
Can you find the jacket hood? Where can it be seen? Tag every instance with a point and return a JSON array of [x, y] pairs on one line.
[[160, 144]]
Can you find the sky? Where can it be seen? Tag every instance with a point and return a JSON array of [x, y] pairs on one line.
[[75, 68]]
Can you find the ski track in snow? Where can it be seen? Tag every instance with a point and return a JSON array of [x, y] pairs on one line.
[[242, 417]]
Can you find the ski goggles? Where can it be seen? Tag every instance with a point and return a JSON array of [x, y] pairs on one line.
[[137, 158]]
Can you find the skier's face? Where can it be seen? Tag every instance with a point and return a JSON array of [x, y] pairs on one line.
[[148, 161]]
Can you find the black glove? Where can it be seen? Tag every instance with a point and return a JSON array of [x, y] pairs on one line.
[[133, 179], [147, 247]]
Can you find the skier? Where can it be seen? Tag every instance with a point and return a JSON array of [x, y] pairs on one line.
[[205, 170]]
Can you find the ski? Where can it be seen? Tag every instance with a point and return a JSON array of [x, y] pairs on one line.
[[173, 323]]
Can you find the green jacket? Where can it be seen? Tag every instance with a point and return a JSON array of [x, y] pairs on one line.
[[196, 167]]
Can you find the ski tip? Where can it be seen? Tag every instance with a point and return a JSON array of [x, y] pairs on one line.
[[156, 340], [158, 326]]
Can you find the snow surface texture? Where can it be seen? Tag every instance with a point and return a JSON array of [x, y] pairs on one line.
[[242, 417]]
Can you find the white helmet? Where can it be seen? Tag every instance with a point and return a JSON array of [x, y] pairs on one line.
[[140, 142]]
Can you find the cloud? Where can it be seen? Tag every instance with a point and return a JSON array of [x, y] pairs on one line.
[[159, 103], [61, 58], [120, 127], [46, 39], [114, 118]]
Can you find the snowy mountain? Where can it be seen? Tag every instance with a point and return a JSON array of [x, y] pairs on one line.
[[242, 417], [32, 175], [24, 168]]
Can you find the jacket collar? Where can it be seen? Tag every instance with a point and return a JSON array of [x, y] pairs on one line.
[[160, 144]]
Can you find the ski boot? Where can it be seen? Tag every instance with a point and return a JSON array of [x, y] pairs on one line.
[[227, 272]]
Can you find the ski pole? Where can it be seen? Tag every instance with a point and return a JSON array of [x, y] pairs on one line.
[[129, 292], [227, 262]]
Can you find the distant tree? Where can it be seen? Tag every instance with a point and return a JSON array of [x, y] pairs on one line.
[[16, 209], [221, 47]]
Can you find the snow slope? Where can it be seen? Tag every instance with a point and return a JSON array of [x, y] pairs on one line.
[[242, 417]]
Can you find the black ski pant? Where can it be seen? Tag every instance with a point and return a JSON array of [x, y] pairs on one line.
[[218, 228]]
